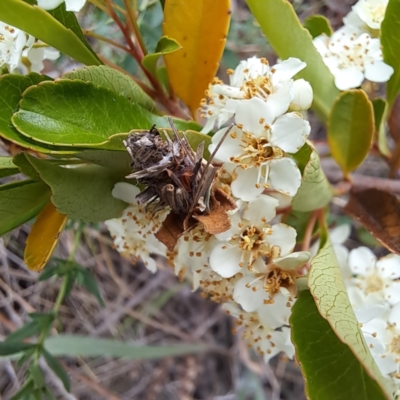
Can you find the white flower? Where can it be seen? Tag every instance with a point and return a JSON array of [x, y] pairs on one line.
[[37, 55], [266, 340], [252, 78], [370, 12], [249, 237], [133, 233], [71, 5], [383, 338], [12, 43], [351, 57], [258, 145], [266, 281], [302, 95], [379, 278]]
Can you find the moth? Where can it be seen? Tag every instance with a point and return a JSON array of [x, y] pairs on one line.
[[176, 176]]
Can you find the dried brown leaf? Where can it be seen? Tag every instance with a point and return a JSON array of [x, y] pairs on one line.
[[379, 212]]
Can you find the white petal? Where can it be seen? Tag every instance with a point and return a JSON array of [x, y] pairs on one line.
[[125, 192], [293, 260], [352, 19], [74, 5], [302, 95], [49, 4], [261, 210], [284, 176], [348, 78], [392, 293], [279, 101], [394, 315], [283, 236], [342, 255], [115, 227], [389, 266], [230, 147], [244, 185], [340, 234], [289, 132], [277, 313], [253, 115], [249, 293], [225, 260], [362, 261], [379, 71], [287, 69], [387, 365]]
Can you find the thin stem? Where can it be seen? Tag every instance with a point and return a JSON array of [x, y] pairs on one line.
[[132, 19], [104, 39], [309, 230], [61, 294]]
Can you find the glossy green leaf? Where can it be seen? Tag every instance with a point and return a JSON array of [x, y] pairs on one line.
[[380, 117], [390, 41], [75, 345], [318, 25], [69, 20], [25, 166], [195, 138], [330, 295], [115, 81], [7, 167], [165, 45], [350, 129], [11, 88], [315, 190], [20, 202], [77, 113], [51, 31], [57, 368], [330, 369], [296, 41], [82, 193]]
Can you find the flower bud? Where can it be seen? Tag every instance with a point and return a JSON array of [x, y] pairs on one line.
[[302, 95]]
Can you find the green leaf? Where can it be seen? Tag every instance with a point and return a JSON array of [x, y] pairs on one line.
[[57, 368], [315, 190], [195, 138], [350, 129], [7, 348], [380, 117], [25, 166], [26, 390], [20, 202], [69, 20], [75, 345], [91, 285], [11, 88], [317, 25], [113, 160], [330, 369], [82, 193], [296, 41], [114, 81], [28, 330], [7, 167], [299, 221], [390, 41], [48, 272], [77, 113], [51, 31], [165, 45], [330, 295], [37, 375]]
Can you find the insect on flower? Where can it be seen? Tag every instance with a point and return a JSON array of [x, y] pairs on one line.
[[177, 177]]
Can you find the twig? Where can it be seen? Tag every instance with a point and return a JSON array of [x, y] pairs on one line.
[[104, 39]]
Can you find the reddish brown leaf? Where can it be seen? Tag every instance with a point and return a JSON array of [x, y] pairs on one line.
[[379, 212], [170, 231]]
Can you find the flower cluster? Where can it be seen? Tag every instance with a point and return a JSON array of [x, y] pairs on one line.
[[373, 287], [252, 266], [353, 53], [19, 50]]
